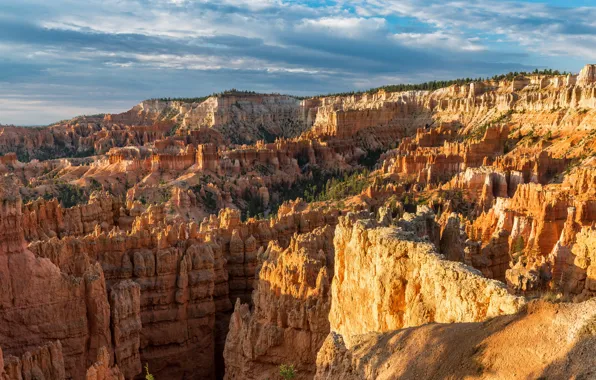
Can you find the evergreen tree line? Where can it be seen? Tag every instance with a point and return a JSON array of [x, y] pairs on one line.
[[438, 84], [201, 99], [426, 86]]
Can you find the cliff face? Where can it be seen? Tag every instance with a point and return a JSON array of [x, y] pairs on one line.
[[170, 286], [579, 270], [496, 176], [47, 363], [248, 118], [82, 136], [288, 322], [165, 286], [538, 102], [390, 115], [46, 219], [237, 117], [537, 229], [77, 313], [387, 279]]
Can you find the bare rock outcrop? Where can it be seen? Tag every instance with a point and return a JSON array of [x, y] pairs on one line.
[[46, 219], [579, 276], [39, 303], [46, 363], [387, 279], [291, 302], [125, 303], [101, 370], [546, 341]]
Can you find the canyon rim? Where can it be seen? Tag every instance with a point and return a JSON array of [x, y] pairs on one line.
[[439, 229]]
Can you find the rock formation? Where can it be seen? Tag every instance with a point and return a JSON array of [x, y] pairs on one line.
[[291, 302], [77, 313], [387, 279], [546, 341], [45, 362], [172, 235]]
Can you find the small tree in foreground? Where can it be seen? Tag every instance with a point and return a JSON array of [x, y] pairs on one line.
[[287, 371], [148, 376]]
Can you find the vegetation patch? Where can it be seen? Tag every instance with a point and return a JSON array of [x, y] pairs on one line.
[[209, 200], [436, 85], [370, 159], [69, 195], [287, 371]]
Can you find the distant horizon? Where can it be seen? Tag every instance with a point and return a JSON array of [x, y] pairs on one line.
[[247, 91], [174, 98], [68, 58]]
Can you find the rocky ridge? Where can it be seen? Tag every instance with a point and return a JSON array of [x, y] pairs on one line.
[[483, 199]]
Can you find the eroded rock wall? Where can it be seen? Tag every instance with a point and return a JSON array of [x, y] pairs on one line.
[[387, 279], [39, 303], [46, 362], [46, 219], [289, 318]]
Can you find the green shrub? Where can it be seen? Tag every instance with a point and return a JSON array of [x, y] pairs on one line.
[[148, 376], [95, 185], [68, 195], [369, 160], [338, 189], [518, 245], [287, 371]]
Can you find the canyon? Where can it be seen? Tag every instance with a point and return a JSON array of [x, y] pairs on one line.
[[445, 233]]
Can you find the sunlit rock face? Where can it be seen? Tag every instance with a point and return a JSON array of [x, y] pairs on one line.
[[388, 278], [546, 340], [170, 235], [289, 319]]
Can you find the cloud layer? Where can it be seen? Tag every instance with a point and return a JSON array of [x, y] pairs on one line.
[[67, 57]]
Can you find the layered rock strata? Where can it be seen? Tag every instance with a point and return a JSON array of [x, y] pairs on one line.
[[47, 363], [171, 286], [388, 278], [288, 322], [76, 312]]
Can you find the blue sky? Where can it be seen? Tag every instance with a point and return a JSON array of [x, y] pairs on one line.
[[63, 58]]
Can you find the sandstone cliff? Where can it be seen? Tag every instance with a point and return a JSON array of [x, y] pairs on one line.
[[469, 105], [170, 286], [47, 363], [291, 301], [546, 341], [389, 278], [77, 312], [237, 117]]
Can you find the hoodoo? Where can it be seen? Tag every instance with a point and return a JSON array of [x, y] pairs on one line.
[[444, 230]]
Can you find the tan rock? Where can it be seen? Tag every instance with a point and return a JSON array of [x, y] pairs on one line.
[[387, 279], [548, 341]]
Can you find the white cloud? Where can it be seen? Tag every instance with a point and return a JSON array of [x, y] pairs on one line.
[[439, 40], [345, 26], [537, 27]]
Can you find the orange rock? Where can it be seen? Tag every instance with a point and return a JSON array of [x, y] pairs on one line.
[[288, 323]]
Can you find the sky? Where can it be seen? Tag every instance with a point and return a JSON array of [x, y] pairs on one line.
[[63, 58]]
